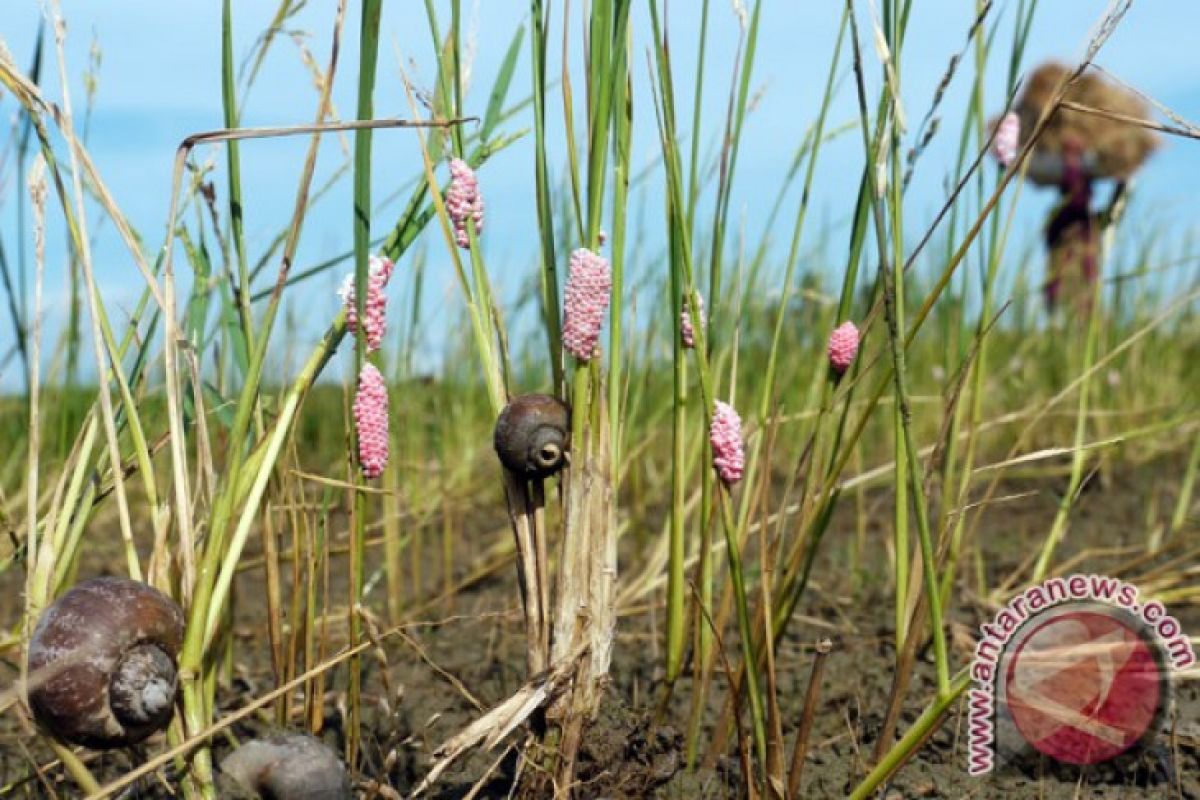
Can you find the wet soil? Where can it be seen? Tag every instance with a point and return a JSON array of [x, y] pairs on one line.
[[425, 687]]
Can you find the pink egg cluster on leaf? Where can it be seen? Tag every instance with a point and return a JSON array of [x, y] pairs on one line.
[[725, 434], [371, 421], [379, 272], [464, 201], [687, 331], [1007, 140], [843, 347], [585, 300]]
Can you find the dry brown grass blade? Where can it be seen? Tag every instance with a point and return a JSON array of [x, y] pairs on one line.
[[905, 661], [30, 96], [800, 748], [1162, 107], [277, 131], [531, 575], [601, 597], [1044, 408], [487, 774], [734, 691], [37, 195], [450, 678], [84, 253], [38, 771], [202, 737], [1189, 132], [503, 719]]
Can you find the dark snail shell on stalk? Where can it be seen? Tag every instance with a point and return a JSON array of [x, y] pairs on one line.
[[102, 663], [287, 766], [533, 435]]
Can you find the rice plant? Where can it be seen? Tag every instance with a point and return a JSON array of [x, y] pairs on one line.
[[702, 488]]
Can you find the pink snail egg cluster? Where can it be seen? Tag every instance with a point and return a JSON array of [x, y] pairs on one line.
[[585, 301], [379, 272], [725, 434], [1007, 140], [687, 331], [464, 202], [371, 421], [843, 347]]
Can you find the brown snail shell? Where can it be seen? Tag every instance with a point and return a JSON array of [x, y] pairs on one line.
[[533, 435], [101, 663], [287, 766]]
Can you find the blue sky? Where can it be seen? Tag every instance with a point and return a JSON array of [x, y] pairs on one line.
[[160, 81]]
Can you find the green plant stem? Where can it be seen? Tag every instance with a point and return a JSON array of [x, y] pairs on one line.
[[913, 738], [264, 467], [896, 207], [676, 621], [196, 662], [1184, 503], [539, 15], [234, 168], [1058, 528], [677, 220], [743, 73], [622, 121], [697, 106], [368, 57], [896, 336], [745, 630]]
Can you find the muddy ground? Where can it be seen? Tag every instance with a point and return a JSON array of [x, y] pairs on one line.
[[479, 654]]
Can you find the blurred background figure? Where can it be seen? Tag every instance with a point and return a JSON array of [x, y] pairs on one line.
[[1075, 150]]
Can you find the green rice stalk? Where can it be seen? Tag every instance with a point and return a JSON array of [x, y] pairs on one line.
[[732, 145], [1183, 504], [622, 135], [993, 256], [914, 737], [665, 111], [1058, 528], [368, 55], [676, 638], [211, 589], [234, 170], [896, 336], [539, 16]]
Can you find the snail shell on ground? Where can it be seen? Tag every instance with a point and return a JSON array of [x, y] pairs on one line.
[[102, 663], [288, 766], [533, 435]]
